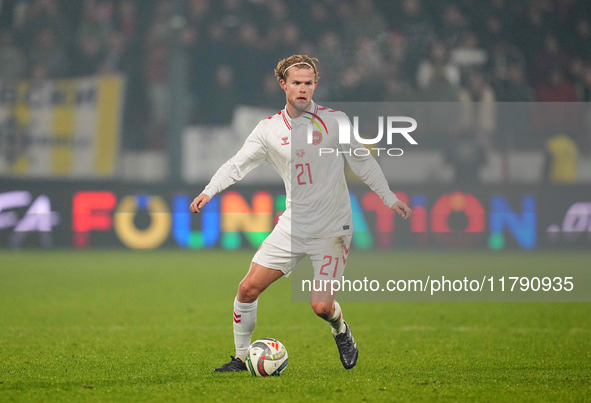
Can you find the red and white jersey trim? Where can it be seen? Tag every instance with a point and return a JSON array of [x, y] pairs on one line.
[[283, 113]]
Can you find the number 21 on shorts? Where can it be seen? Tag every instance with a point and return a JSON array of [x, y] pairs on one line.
[[329, 266]]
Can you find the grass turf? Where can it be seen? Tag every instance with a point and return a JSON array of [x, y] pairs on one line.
[[151, 326]]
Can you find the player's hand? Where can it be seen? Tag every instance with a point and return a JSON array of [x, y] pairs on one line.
[[402, 209], [199, 202]]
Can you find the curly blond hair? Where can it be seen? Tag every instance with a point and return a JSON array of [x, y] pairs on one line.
[[302, 61]]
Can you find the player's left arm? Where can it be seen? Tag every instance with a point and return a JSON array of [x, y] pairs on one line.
[[402, 209], [369, 171]]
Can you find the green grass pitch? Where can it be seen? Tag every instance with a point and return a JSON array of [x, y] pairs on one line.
[[151, 326]]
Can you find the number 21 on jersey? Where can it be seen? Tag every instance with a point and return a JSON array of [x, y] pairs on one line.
[[304, 174]]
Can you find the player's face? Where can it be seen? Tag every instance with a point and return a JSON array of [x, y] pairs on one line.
[[299, 87]]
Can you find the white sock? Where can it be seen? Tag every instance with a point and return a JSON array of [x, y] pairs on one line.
[[245, 318], [336, 321]]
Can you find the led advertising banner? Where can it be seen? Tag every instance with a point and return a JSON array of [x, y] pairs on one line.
[[45, 215]]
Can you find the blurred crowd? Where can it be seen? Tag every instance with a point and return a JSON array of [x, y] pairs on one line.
[[369, 50]]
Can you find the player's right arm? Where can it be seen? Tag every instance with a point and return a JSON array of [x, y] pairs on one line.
[[250, 156]]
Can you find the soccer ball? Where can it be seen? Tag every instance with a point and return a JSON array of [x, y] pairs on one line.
[[266, 357]]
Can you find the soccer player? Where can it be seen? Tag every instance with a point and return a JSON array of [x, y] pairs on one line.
[[317, 221]]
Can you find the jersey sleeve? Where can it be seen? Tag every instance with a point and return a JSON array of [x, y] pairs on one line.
[[368, 170], [250, 156]]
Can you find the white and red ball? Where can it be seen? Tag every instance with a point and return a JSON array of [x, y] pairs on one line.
[[266, 357]]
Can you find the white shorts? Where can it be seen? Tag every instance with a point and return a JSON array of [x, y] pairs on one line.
[[281, 251]]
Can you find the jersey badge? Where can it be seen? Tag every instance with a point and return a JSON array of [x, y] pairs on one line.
[[316, 137]]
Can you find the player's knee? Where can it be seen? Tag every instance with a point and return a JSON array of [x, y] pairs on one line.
[[247, 292], [322, 309]]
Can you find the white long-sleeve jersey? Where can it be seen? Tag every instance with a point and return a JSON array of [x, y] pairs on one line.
[[317, 197]]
